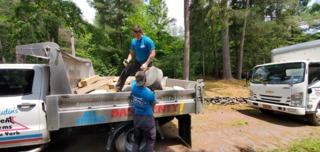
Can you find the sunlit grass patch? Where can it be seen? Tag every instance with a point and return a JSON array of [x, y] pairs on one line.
[[223, 88], [302, 145], [238, 123]]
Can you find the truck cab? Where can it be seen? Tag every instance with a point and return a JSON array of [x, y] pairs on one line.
[[23, 88], [289, 84]]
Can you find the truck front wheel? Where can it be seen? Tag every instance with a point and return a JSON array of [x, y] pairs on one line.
[[314, 118], [125, 141]]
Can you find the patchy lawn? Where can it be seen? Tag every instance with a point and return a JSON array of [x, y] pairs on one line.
[[302, 145], [223, 88]]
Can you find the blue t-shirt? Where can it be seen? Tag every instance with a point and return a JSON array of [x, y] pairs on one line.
[[142, 100], [142, 48]]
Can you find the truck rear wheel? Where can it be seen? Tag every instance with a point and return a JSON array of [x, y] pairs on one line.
[[125, 141], [314, 118]]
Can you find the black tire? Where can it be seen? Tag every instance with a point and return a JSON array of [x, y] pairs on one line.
[[314, 119], [266, 111], [124, 142]]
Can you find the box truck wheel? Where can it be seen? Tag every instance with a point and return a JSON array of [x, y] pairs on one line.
[[124, 142], [314, 118]]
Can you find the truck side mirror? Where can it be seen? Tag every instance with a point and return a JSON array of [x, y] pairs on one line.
[[309, 90]]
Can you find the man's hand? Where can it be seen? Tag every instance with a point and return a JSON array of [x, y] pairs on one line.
[[125, 62], [144, 67]]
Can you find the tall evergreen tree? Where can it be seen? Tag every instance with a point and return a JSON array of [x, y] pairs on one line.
[[225, 40], [186, 60]]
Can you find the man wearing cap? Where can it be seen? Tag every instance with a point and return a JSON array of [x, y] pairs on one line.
[[141, 54], [143, 101]]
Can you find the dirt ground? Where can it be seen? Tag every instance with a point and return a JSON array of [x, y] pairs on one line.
[[240, 128]]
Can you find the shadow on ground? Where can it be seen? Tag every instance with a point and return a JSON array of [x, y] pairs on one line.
[[275, 118], [171, 141]]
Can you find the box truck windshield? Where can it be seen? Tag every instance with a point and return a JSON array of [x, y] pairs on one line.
[[16, 82], [286, 73]]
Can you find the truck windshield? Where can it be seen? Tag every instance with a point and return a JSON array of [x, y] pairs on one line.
[[16, 82], [287, 73]]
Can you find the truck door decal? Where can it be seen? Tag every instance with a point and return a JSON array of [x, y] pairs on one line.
[[16, 139], [9, 124], [8, 111]]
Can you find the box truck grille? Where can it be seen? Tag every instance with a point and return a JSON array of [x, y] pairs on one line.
[[270, 98], [284, 104]]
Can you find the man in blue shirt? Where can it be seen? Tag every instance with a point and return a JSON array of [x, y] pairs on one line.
[[143, 101], [142, 52]]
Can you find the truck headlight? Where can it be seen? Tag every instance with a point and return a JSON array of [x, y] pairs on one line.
[[297, 99]]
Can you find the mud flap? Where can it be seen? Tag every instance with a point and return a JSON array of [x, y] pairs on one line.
[[184, 122]]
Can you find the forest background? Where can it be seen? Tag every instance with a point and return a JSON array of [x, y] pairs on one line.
[[227, 37]]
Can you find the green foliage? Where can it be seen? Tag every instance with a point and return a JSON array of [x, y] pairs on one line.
[[152, 19], [107, 42], [304, 145], [33, 21], [271, 24], [94, 45]]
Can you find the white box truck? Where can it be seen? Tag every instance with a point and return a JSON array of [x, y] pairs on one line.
[[291, 83], [37, 100]]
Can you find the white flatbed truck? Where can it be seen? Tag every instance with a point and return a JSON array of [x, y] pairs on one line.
[[38, 100]]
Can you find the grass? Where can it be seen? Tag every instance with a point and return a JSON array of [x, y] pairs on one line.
[[238, 123], [223, 88], [302, 145]]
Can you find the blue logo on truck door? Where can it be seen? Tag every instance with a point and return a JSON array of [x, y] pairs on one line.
[[90, 117], [8, 111]]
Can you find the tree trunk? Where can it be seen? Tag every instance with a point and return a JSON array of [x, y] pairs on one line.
[[214, 50], [73, 50], [203, 64], [240, 53], [20, 58], [186, 59], [225, 42], [215, 69], [1, 53]]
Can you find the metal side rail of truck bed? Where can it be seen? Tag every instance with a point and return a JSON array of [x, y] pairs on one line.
[[73, 110]]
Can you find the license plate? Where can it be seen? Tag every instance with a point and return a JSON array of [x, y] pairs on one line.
[[266, 106]]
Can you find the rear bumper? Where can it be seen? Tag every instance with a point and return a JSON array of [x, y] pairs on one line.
[[275, 107]]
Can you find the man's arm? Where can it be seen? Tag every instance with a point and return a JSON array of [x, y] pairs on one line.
[[129, 58], [130, 55], [153, 100], [153, 105], [152, 55]]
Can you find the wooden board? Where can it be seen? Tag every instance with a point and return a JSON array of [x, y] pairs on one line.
[[92, 87], [88, 81], [100, 83]]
